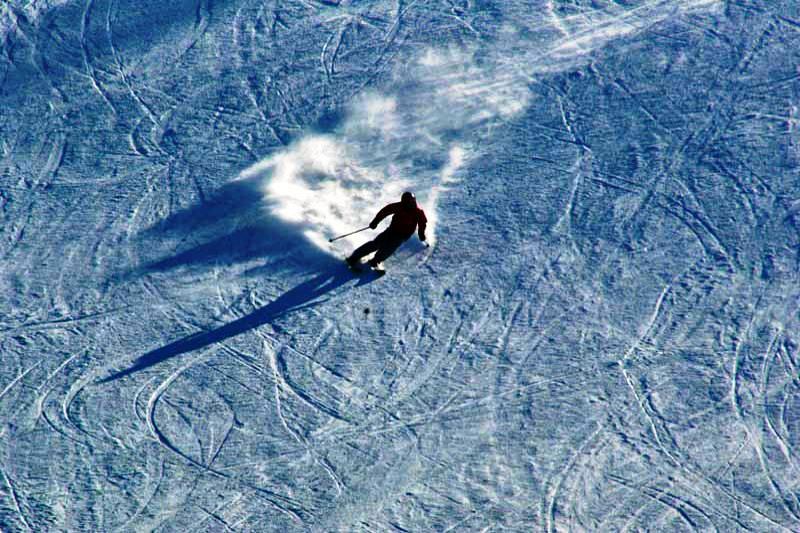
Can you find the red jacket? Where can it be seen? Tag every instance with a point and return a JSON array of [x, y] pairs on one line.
[[404, 220]]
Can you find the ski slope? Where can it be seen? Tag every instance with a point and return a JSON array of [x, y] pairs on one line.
[[603, 336]]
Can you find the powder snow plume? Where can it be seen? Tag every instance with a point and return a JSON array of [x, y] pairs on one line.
[[418, 135]]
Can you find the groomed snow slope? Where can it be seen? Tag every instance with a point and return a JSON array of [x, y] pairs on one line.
[[604, 335]]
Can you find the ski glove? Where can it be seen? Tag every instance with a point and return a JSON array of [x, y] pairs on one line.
[[373, 225]]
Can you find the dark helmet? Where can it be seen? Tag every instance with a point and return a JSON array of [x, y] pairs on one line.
[[408, 200]]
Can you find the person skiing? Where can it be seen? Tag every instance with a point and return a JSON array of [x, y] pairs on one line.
[[406, 217]]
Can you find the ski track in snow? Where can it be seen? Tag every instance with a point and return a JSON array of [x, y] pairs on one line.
[[602, 338]]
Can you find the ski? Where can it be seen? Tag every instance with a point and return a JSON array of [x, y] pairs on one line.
[[361, 268]]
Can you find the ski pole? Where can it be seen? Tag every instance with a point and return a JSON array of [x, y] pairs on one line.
[[348, 234]]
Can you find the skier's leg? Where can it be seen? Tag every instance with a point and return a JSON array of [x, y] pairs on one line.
[[365, 249], [387, 248]]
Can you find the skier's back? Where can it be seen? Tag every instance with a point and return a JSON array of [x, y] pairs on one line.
[[406, 218]]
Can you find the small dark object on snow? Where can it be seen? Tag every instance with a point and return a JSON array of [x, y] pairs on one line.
[[366, 310]]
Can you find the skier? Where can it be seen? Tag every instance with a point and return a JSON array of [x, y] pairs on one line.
[[406, 217]]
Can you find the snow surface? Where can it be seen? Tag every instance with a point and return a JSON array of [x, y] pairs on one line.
[[603, 337]]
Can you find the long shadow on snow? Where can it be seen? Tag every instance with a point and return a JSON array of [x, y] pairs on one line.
[[301, 297], [232, 225]]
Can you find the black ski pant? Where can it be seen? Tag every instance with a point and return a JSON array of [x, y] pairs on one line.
[[384, 245]]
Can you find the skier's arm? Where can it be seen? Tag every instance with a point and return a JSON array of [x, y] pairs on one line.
[[422, 223], [383, 213]]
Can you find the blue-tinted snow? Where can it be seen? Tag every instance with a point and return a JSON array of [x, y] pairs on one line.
[[603, 337]]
